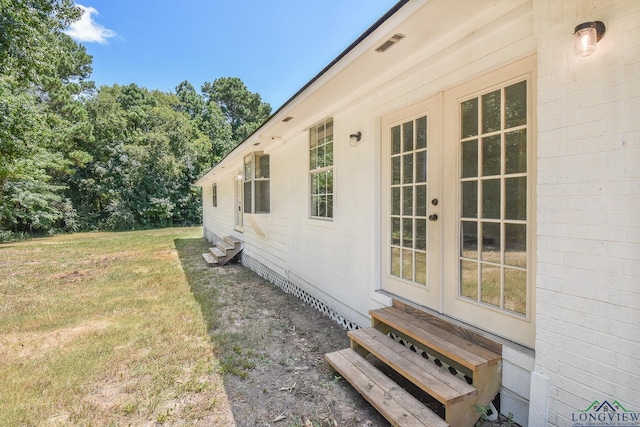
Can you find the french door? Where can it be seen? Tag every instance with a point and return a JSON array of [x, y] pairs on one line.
[[457, 199]]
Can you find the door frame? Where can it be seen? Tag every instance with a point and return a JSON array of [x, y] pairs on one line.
[[238, 202]]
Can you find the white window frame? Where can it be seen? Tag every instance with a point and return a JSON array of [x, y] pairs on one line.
[[256, 174], [321, 168]]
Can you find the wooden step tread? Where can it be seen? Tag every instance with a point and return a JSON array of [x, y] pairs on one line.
[[437, 382], [232, 240], [209, 259], [394, 403], [225, 246], [217, 252], [459, 350]]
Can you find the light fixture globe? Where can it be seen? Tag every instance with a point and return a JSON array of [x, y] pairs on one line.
[[587, 36]]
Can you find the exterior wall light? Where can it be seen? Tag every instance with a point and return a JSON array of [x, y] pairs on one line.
[[588, 34], [355, 137]]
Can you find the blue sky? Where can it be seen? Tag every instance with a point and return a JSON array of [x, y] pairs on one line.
[[275, 47]]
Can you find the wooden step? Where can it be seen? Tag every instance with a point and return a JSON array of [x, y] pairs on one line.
[[237, 243], [435, 381], [217, 252], [452, 347], [210, 260], [224, 245], [394, 403]]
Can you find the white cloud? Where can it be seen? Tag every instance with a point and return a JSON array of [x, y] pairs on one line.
[[87, 30]]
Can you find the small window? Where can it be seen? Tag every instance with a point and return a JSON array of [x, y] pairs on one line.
[[256, 183], [321, 169], [214, 195]]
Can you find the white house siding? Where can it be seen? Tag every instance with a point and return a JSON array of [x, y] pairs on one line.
[[588, 272]]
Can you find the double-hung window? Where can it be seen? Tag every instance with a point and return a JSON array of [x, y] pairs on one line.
[[256, 183], [321, 169]]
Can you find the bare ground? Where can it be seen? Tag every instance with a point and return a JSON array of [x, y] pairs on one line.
[[271, 350]]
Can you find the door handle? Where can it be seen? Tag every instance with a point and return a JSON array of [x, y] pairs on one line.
[[433, 217]]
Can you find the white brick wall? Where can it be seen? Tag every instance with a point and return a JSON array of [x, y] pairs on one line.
[[588, 213]]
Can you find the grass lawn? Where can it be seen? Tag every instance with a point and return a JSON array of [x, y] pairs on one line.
[[103, 329]]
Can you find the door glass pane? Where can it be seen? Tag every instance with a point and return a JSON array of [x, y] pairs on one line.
[[421, 268], [515, 245], [491, 242], [395, 140], [470, 199], [421, 166], [395, 261], [469, 239], [407, 168], [421, 200], [491, 198], [421, 132], [395, 231], [491, 160], [491, 283], [407, 233], [491, 111], [469, 279], [516, 198], [407, 201], [470, 159], [515, 290], [516, 104], [395, 201], [407, 264], [421, 234], [395, 170], [469, 113], [516, 151], [407, 137]]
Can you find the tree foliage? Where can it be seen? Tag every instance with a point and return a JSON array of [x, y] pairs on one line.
[[118, 157]]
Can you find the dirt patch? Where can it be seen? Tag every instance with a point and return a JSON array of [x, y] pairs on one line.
[[271, 347]]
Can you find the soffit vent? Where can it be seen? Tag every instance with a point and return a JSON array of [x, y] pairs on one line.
[[392, 41]]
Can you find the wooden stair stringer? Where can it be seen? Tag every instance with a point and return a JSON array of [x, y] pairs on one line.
[[225, 250]]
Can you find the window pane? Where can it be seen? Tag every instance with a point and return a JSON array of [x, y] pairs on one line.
[[469, 247], [491, 109], [313, 137], [470, 159], [395, 231], [407, 137], [407, 200], [321, 156], [329, 130], [469, 279], [262, 166], [248, 168], [407, 168], [421, 200], [491, 242], [515, 291], [421, 132], [516, 198], [328, 161], [421, 166], [470, 199], [491, 159], [395, 139], [395, 170], [421, 234], [262, 196], [491, 198], [469, 114], [516, 152], [395, 201], [515, 247], [516, 104], [407, 233], [330, 206], [490, 289], [313, 159], [247, 197]]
